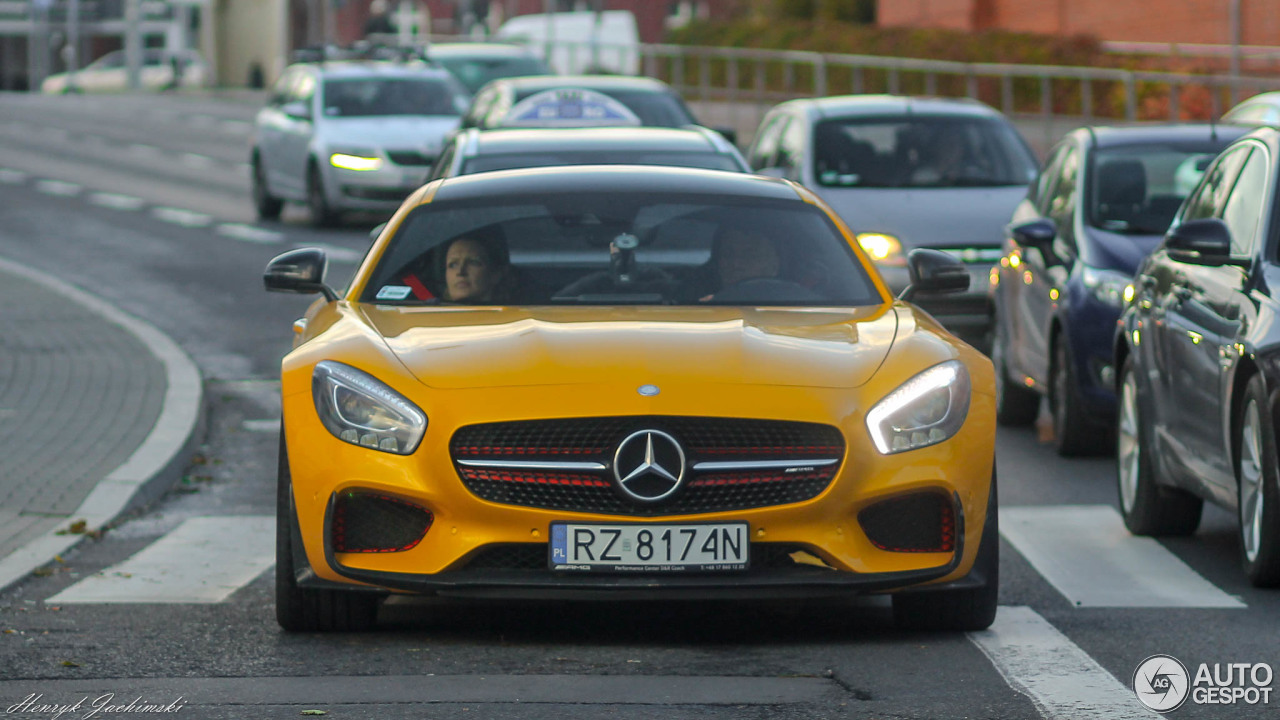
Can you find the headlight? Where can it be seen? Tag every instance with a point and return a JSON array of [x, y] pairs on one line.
[[1108, 286], [359, 160], [923, 411], [884, 249], [358, 408]]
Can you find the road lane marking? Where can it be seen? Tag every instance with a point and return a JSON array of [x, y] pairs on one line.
[[250, 233], [203, 560], [144, 149], [262, 426], [195, 159], [59, 188], [1054, 673], [185, 218], [1087, 554], [13, 177], [116, 201]]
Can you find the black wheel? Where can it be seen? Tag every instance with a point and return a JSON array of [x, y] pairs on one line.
[[308, 610], [322, 214], [267, 205], [964, 609], [1074, 432], [1258, 478], [1016, 404], [1148, 507]]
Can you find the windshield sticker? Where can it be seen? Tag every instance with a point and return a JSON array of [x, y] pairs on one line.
[[393, 292]]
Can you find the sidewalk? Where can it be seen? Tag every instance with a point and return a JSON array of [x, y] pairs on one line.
[[98, 413]]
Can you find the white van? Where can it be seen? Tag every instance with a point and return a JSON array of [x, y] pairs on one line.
[[580, 42]]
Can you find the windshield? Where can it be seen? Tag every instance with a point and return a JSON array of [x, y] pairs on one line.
[[515, 161], [922, 151], [655, 109], [611, 249], [369, 97], [1137, 190], [475, 72]]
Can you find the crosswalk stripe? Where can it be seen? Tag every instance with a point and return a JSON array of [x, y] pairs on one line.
[[249, 233], [1054, 673], [185, 218], [1087, 554], [12, 177], [337, 253], [59, 188], [203, 560], [116, 201]]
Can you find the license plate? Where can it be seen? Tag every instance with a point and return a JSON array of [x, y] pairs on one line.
[[636, 547]]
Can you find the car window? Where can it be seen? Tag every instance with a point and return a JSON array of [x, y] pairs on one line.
[[513, 161], [1138, 189], [920, 151], [1243, 210], [444, 162], [475, 72], [479, 108], [1210, 197], [280, 91], [650, 248], [764, 150], [791, 149], [1039, 191], [1061, 202], [369, 97], [654, 108]]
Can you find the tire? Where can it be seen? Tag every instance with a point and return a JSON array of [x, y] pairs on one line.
[[322, 214], [1258, 480], [1016, 405], [966, 609], [1148, 507], [1074, 432], [308, 610], [267, 206]]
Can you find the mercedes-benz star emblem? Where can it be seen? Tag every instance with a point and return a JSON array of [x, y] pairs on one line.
[[649, 465], [648, 390]]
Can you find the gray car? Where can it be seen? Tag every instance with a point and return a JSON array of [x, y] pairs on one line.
[[906, 173], [351, 135]]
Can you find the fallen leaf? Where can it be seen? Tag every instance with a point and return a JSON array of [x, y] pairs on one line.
[[69, 663], [59, 559], [42, 572], [313, 712]]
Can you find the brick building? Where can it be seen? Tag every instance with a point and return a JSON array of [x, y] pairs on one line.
[[1162, 21]]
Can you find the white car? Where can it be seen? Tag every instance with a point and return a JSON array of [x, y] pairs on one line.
[[351, 135], [161, 70]]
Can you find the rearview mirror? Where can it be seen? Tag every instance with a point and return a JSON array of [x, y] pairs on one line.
[[299, 271], [297, 110], [934, 271]]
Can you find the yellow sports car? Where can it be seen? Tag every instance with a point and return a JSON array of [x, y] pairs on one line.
[[629, 383]]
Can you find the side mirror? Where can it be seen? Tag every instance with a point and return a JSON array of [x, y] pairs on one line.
[[1200, 242], [299, 271], [1036, 233], [934, 271], [297, 110]]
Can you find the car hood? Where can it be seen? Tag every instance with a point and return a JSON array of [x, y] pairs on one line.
[[486, 347], [928, 217], [1116, 251], [425, 134]]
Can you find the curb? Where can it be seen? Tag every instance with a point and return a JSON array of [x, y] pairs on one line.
[[147, 473]]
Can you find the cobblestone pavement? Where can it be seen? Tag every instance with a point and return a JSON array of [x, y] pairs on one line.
[[95, 406]]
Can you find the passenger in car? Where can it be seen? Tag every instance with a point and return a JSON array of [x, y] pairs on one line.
[[739, 254]]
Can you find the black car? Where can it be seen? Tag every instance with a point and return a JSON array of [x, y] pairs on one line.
[[1198, 349], [1101, 204]]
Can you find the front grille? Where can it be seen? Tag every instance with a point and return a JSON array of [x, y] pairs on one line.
[[579, 443], [410, 158], [533, 556]]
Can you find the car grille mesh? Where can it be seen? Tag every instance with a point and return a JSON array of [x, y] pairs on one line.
[[584, 440]]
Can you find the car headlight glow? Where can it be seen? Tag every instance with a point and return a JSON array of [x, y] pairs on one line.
[[925, 410], [363, 161], [884, 249], [1107, 286], [360, 409]]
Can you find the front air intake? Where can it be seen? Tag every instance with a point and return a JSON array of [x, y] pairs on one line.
[[365, 522], [922, 522]]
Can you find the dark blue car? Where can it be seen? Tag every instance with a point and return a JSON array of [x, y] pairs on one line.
[[1102, 203]]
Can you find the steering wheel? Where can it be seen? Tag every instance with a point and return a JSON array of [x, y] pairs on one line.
[[647, 279], [765, 290]]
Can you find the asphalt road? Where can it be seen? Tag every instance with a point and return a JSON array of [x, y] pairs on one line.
[[144, 202]]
